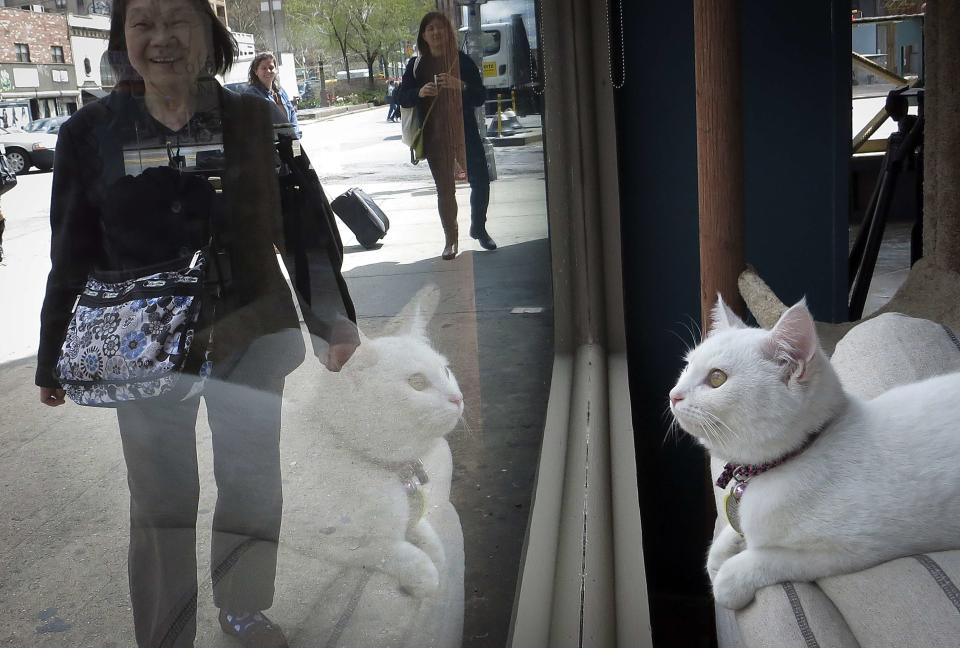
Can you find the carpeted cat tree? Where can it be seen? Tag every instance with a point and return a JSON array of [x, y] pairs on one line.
[[932, 288]]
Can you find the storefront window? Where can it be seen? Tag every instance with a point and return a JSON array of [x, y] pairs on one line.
[[349, 446]]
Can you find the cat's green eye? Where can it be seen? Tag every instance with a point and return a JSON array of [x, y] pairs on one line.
[[716, 378], [418, 381]]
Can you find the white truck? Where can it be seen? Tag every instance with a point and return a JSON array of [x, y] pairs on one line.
[[508, 62]]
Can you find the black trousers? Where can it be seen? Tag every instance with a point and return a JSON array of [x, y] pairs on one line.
[[159, 446], [478, 176], [442, 163]]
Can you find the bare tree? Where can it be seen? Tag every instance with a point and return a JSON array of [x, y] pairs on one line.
[[380, 25], [244, 16]]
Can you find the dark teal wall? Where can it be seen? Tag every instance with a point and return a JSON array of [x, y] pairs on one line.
[[796, 118]]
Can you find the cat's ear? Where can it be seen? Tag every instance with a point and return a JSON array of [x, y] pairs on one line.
[[722, 317], [418, 324], [422, 309], [794, 339]]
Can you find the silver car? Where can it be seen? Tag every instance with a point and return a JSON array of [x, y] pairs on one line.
[[46, 125], [25, 150]]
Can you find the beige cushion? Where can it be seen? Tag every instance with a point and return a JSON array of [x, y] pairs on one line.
[[794, 615], [906, 602], [893, 349]]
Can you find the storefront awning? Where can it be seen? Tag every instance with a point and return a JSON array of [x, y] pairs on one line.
[[96, 93]]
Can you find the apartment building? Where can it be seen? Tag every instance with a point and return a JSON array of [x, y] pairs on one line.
[[220, 9], [37, 74]]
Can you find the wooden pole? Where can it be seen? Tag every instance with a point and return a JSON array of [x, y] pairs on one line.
[[941, 173], [719, 152]]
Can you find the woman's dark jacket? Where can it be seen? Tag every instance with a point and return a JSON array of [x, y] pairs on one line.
[[106, 215], [474, 94]]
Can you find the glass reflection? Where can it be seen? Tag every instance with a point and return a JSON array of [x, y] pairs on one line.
[[390, 509]]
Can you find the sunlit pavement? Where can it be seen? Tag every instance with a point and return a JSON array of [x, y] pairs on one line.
[[64, 500]]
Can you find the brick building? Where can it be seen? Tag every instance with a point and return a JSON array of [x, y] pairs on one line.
[[37, 75]]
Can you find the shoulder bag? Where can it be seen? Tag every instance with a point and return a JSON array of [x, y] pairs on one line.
[[137, 338], [412, 126]]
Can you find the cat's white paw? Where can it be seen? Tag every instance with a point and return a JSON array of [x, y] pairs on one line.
[[416, 572], [422, 582], [727, 544], [425, 536], [733, 586]]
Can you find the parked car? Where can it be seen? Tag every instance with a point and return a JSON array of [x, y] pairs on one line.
[[25, 150], [46, 125]]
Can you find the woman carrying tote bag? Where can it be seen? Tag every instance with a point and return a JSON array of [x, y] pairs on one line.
[[445, 87]]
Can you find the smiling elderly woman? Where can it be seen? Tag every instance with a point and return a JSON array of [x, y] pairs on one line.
[[131, 191]]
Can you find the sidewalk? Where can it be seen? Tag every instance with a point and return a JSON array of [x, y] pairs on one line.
[[64, 496], [314, 114]]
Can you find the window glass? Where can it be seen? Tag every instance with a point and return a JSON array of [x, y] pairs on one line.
[[491, 42], [22, 52], [275, 365]]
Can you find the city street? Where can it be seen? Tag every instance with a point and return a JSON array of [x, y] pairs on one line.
[[63, 578]]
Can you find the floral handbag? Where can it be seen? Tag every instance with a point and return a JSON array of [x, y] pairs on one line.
[[138, 338]]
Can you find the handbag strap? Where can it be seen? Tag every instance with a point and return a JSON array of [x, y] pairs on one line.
[[416, 64]]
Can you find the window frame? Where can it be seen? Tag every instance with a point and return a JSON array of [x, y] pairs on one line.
[[58, 54], [22, 52]]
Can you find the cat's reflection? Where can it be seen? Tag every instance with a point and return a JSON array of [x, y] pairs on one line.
[[384, 464], [408, 399]]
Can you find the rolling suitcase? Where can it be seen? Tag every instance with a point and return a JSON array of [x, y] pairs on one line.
[[364, 218]]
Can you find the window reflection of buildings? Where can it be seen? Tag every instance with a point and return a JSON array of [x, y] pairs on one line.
[[37, 78]]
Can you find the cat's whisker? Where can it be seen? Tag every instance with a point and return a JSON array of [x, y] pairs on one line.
[[463, 419], [673, 432], [712, 425], [726, 436], [686, 345], [693, 336], [696, 325]]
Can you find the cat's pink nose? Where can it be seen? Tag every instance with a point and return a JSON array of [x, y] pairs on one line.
[[675, 397], [456, 399]]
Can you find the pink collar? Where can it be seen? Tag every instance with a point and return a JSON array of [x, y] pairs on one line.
[[744, 472]]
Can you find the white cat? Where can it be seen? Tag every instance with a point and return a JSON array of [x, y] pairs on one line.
[[873, 480], [384, 412]]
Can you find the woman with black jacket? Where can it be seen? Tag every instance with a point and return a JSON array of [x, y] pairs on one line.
[[129, 191], [445, 86]]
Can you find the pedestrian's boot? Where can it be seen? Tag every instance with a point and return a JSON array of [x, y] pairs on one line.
[[450, 245], [480, 233]]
